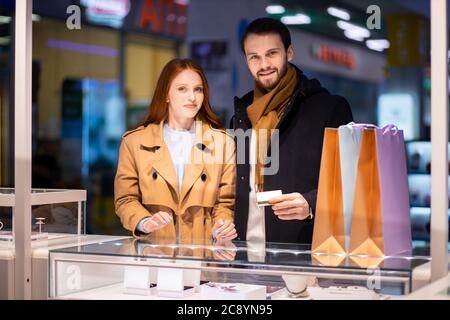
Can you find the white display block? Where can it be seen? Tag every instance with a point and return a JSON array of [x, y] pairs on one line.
[[137, 280], [232, 291], [170, 282]]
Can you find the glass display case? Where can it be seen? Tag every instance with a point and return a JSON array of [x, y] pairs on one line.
[[419, 180], [55, 213], [58, 218], [137, 269]]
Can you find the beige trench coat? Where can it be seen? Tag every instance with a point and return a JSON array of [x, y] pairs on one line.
[[146, 182]]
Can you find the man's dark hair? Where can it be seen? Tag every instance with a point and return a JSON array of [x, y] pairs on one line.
[[262, 26]]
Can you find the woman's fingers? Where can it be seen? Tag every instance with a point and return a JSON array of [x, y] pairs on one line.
[[166, 216]]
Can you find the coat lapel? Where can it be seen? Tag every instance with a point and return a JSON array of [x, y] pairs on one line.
[[203, 144], [162, 161]]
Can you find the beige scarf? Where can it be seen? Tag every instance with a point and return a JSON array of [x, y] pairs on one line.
[[265, 112]]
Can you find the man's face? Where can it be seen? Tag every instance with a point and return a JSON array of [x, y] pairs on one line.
[[267, 58]]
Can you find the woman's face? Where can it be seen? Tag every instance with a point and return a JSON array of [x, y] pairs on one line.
[[185, 96]]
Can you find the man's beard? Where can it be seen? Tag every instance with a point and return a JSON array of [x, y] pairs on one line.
[[269, 85]]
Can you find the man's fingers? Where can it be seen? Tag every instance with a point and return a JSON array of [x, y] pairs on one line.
[[289, 217], [288, 204], [284, 197], [293, 216], [287, 211]]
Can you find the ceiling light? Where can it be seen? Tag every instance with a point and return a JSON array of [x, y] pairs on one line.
[[354, 35], [275, 9], [339, 13], [377, 44], [352, 31], [299, 18]]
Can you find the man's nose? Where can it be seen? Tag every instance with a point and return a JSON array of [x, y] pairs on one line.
[[264, 63]]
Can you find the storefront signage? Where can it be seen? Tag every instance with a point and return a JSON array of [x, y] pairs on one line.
[[164, 16], [106, 12], [333, 55]]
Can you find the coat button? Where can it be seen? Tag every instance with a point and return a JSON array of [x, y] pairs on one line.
[[154, 175], [242, 178], [203, 177]]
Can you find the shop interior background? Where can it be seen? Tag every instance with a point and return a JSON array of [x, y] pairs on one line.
[[96, 62]]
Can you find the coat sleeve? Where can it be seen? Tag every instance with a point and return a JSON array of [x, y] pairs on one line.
[[127, 194], [224, 207], [341, 114]]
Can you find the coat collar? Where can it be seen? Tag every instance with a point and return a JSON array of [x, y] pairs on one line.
[[154, 136], [153, 141]]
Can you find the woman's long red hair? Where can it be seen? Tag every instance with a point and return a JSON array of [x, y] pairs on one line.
[[159, 109]]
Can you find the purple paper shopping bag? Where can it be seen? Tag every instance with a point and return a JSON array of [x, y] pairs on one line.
[[381, 222]]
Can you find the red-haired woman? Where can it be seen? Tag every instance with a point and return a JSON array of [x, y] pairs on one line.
[[176, 172]]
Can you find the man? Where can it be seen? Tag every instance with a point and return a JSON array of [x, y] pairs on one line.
[[300, 109]]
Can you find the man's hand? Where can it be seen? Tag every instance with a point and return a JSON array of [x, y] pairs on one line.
[[291, 206], [157, 221], [224, 230]]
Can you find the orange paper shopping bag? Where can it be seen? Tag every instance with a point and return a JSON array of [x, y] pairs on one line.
[[329, 233]]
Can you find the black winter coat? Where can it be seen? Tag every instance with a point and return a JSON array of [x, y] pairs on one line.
[[301, 130]]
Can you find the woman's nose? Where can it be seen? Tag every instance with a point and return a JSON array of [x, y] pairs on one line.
[[192, 95]]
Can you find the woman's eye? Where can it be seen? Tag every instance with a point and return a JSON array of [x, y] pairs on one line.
[[182, 89], [200, 90]]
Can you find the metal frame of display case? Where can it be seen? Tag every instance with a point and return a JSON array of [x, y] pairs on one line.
[[439, 139], [23, 134], [48, 196]]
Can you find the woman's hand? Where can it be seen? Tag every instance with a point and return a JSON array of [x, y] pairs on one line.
[[224, 250], [224, 229], [157, 221]]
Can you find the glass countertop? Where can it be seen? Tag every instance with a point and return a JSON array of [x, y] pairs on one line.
[[240, 254]]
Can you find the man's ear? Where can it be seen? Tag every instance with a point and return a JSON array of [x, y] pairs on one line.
[[290, 53]]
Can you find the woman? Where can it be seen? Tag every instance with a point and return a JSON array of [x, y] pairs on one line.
[[176, 172]]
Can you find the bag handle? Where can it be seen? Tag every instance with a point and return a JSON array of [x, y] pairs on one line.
[[384, 129]]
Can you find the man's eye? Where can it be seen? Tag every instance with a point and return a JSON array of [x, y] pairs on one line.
[[272, 53], [253, 58]]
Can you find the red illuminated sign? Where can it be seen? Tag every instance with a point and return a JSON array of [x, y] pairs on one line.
[[333, 55], [165, 16]]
